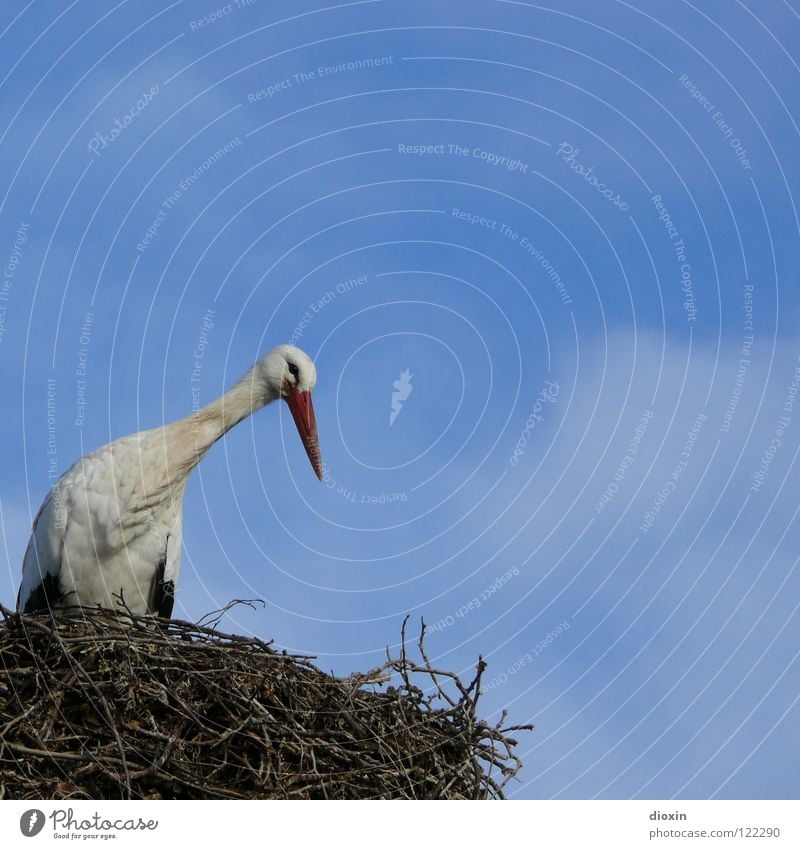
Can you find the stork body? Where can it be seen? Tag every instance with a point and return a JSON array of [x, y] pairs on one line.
[[110, 529]]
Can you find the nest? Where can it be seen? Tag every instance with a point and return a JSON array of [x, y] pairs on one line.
[[106, 707]]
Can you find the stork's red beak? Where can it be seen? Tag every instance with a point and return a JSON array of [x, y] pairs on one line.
[[303, 414]]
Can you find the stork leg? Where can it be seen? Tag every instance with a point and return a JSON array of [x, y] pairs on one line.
[[162, 594]]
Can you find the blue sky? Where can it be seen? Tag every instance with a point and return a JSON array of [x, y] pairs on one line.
[[576, 228]]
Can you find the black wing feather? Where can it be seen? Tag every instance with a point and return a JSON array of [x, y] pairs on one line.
[[48, 593], [162, 594], [44, 597]]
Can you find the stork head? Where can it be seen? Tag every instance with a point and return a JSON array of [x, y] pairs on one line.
[[289, 373]]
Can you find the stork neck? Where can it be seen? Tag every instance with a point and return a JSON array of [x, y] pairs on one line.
[[241, 400], [200, 430]]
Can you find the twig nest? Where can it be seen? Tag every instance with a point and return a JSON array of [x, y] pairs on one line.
[[105, 707]]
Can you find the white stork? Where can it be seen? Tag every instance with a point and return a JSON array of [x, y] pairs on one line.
[[110, 529]]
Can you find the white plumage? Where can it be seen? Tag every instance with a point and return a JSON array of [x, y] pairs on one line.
[[110, 529]]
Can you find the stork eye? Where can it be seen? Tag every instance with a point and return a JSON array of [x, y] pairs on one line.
[[293, 370]]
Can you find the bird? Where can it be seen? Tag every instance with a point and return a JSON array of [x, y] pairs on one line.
[[109, 532]]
